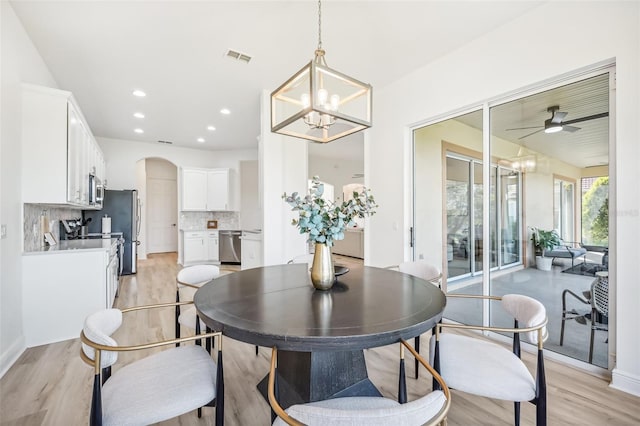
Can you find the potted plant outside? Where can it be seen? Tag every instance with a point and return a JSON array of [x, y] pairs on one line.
[[544, 240], [325, 221]]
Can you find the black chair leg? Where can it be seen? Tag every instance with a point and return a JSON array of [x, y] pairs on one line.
[[436, 366], [177, 316], [199, 341], [516, 412], [541, 390], [276, 392], [199, 412], [220, 390], [402, 384], [416, 345], [256, 350], [96, 403]]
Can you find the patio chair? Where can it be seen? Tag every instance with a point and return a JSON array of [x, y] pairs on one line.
[[598, 299], [430, 409], [480, 367]]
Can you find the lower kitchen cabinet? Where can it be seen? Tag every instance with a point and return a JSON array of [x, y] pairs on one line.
[[199, 247], [60, 289]]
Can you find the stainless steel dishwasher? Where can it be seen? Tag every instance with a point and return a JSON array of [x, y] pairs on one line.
[[230, 247]]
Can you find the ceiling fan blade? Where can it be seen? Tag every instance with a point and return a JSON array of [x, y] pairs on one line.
[[587, 118], [558, 116], [523, 128], [537, 131], [569, 129]]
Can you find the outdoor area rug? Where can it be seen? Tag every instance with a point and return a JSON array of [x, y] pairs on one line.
[[588, 269]]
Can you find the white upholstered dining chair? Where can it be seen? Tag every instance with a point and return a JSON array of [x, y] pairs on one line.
[[428, 272], [188, 280], [161, 386], [481, 367], [430, 409]]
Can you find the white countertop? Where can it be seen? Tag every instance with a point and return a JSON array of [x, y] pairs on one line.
[[93, 244], [196, 229]]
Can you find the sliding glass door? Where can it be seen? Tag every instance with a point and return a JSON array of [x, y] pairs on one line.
[[527, 180]]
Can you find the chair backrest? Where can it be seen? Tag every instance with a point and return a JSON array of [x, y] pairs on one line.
[[197, 275], [421, 269], [418, 412], [600, 293], [304, 258], [99, 327], [529, 312]]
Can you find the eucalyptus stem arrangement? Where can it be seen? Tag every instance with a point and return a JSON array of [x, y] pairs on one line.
[[325, 221]]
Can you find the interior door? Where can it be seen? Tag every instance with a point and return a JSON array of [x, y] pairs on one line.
[[162, 202]]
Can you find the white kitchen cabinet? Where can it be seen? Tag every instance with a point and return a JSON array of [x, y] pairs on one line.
[[57, 148], [218, 190], [195, 249], [194, 189], [213, 246], [200, 247], [61, 288], [206, 190], [251, 249]]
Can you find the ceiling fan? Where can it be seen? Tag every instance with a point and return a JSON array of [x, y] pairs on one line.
[[556, 123]]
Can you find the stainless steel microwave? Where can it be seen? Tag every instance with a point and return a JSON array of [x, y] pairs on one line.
[[96, 191]]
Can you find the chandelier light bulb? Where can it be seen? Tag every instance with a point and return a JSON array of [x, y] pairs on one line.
[[323, 95], [305, 100], [335, 102]]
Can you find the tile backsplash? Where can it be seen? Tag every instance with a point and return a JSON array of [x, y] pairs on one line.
[[198, 220], [33, 236]]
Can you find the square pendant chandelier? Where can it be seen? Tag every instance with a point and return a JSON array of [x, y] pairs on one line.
[[320, 104]]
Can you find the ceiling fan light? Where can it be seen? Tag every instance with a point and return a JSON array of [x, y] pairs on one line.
[[551, 127]]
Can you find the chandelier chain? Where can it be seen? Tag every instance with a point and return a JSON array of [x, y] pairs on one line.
[[319, 25]]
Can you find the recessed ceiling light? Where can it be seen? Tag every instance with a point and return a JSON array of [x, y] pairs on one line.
[[139, 93], [138, 131], [225, 111], [211, 128], [201, 140], [138, 115]]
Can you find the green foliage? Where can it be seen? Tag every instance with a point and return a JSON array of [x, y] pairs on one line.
[[592, 204], [600, 226], [325, 221], [544, 240]]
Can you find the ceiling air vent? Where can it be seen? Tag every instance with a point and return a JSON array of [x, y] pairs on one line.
[[166, 142], [357, 175], [238, 56]]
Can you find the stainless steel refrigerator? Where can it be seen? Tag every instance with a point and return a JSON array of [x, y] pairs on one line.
[[123, 207]]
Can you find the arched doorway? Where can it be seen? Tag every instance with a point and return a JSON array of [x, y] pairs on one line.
[[156, 179]]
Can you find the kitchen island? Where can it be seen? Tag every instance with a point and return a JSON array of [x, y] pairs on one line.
[[352, 245]]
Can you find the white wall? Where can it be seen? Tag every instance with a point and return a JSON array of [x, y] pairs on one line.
[[283, 168], [250, 201], [501, 62], [337, 172], [20, 63]]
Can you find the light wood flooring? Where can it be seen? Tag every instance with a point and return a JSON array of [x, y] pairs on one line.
[[50, 385]]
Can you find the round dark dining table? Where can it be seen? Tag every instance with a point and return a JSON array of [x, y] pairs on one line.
[[320, 335]]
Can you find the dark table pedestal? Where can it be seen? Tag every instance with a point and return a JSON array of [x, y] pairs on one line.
[[315, 376]]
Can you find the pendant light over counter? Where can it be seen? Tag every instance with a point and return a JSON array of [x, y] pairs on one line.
[[320, 104]]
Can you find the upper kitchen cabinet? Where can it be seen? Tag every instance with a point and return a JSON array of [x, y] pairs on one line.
[[206, 190], [59, 153]]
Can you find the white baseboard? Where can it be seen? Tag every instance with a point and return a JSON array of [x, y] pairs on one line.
[[625, 382], [11, 355]]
